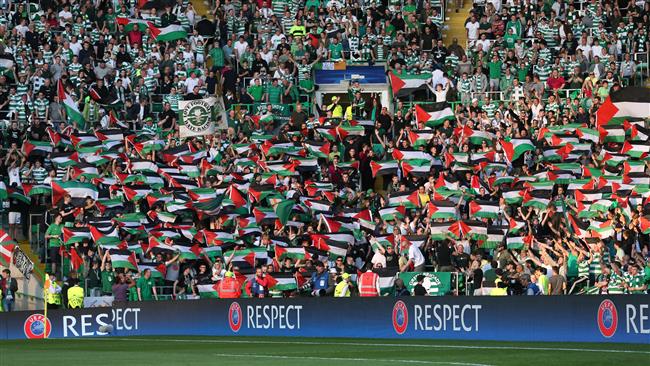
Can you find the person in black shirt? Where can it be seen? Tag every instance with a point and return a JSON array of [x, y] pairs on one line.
[[167, 118], [392, 259], [443, 256], [14, 135], [418, 289]]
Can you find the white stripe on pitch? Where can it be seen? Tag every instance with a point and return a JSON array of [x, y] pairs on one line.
[[351, 359], [414, 345]]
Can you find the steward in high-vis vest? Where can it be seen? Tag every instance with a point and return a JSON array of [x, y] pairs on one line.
[[368, 284], [53, 290], [229, 287], [75, 296], [342, 288]]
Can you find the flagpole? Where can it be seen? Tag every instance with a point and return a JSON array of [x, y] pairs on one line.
[[46, 290]]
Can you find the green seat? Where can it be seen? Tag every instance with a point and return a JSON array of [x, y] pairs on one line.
[[156, 107]]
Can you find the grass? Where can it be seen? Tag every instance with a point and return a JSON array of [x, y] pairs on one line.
[[253, 351]]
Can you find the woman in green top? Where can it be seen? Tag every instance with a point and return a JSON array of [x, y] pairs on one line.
[[53, 236]]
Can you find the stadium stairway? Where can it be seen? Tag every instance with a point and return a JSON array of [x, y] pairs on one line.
[[456, 23]]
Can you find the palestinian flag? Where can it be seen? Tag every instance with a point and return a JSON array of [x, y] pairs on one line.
[[484, 209], [64, 159], [71, 109], [637, 133], [73, 235], [289, 252], [333, 247], [74, 189], [512, 195], [630, 102], [410, 155], [416, 167], [208, 291], [188, 251], [281, 281], [384, 167], [123, 259], [420, 137], [169, 33], [434, 114], [406, 199], [283, 210], [517, 242], [614, 133], [515, 226], [320, 149], [390, 213], [441, 210], [406, 84], [157, 271], [76, 262], [477, 137], [588, 134], [387, 278], [636, 149], [36, 148], [132, 23], [345, 131], [35, 189], [439, 230], [516, 147], [494, 238], [538, 200]]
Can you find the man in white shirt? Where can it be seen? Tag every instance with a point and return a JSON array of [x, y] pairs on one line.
[[415, 258], [65, 16], [472, 30], [240, 47]]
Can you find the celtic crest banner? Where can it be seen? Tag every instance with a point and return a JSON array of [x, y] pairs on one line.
[[200, 117]]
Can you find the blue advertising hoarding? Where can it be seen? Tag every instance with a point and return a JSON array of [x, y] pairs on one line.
[[620, 319]]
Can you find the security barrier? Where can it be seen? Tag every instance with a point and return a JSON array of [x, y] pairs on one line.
[[620, 319]]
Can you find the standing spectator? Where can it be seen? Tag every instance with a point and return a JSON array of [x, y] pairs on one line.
[[8, 288]]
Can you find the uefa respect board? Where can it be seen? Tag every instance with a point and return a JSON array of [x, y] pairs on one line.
[[620, 319]]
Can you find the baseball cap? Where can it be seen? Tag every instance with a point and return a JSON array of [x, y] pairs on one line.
[[345, 276]]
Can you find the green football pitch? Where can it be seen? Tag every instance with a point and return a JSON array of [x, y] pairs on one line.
[[252, 351]]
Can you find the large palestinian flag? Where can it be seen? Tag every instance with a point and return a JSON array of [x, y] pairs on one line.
[[627, 103]]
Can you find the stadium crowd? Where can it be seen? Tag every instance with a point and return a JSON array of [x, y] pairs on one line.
[[511, 178]]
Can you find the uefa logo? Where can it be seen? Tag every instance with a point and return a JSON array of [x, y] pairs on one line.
[[400, 317], [37, 326], [235, 317], [607, 318]]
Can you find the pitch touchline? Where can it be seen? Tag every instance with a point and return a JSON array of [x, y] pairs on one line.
[[451, 346], [350, 359]]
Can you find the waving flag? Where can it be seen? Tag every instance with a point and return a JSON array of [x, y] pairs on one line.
[[74, 189], [516, 147], [436, 115], [71, 109], [167, 34], [630, 102], [123, 259], [406, 84]]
